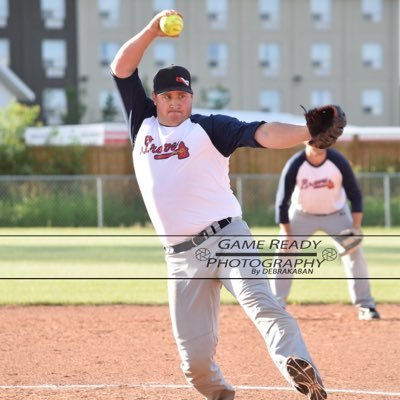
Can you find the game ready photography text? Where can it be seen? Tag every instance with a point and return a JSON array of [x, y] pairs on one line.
[[269, 256]]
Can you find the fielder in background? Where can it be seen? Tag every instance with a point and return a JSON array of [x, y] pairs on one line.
[[181, 163], [312, 195]]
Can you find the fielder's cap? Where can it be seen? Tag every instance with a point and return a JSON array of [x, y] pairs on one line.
[[171, 78]]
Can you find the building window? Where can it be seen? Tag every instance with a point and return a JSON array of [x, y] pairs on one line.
[[320, 97], [269, 11], [372, 101], [270, 101], [321, 58], [54, 57], [108, 50], [269, 56], [160, 5], [372, 55], [371, 10], [4, 52], [3, 13], [164, 54], [321, 13], [54, 106], [53, 13], [109, 12], [218, 58], [217, 13]]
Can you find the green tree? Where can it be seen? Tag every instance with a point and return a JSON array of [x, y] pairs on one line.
[[110, 110], [14, 156], [216, 98], [75, 109]]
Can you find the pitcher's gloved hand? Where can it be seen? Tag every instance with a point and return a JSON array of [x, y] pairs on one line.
[[325, 124]]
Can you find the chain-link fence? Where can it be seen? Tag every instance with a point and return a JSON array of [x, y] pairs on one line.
[[381, 194], [70, 201], [116, 201]]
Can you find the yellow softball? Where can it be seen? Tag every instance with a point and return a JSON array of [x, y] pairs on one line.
[[171, 25]]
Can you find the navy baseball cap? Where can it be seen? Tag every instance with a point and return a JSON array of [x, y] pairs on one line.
[[171, 78]]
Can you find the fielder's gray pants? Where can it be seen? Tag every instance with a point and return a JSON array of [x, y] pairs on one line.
[[194, 306], [354, 264]]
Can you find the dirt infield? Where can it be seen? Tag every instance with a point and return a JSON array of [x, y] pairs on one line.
[[128, 353]]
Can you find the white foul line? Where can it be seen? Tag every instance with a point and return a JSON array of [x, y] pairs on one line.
[[171, 386]]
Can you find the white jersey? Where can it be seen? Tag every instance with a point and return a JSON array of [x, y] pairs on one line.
[[319, 190], [183, 178], [183, 171]]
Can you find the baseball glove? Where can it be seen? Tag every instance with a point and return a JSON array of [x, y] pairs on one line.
[[325, 124], [349, 240]]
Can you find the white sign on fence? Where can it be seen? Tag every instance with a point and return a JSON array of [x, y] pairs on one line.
[[88, 135]]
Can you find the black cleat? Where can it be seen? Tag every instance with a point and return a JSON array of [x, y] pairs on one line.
[[305, 379], [367, 314]]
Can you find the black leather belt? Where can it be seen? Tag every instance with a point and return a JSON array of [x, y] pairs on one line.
[[199, 238]]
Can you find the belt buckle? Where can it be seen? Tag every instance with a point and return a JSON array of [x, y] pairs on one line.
[[203, 238]]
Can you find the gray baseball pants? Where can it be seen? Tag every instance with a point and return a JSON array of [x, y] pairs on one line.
[[355, 265], [194, 302]]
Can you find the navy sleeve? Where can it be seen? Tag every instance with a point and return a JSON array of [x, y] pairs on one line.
[[228, 133], [287, 183], [136, 105], [349, 180]]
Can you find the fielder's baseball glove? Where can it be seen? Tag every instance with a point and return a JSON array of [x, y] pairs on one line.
[[325, 124], [349, 240]]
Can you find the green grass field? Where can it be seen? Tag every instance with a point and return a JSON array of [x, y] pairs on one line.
[[108, 266]]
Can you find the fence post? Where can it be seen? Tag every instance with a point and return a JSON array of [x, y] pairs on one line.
[[99, 197], [386, 197], [239, 189]]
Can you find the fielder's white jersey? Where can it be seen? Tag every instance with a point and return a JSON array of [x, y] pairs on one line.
[[183, 171], [317, 190]]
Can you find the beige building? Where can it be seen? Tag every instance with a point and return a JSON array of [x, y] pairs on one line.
[[269, 55]]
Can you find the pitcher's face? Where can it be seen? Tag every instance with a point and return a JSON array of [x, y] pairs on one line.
[[173, 107]]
